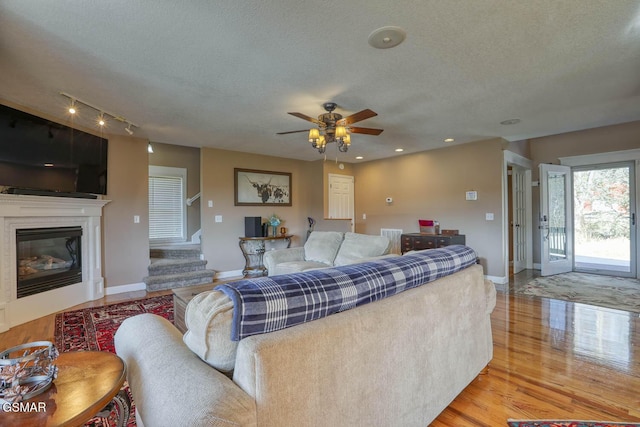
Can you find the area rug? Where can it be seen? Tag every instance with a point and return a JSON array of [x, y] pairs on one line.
[[94, 328], [604, 291], [545, 423]]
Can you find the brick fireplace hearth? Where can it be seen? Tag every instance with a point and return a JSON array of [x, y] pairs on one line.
[[19, 212]]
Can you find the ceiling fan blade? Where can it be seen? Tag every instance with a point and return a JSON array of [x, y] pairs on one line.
[[359, 116], [307, 118], [367, 131], [292, 131]]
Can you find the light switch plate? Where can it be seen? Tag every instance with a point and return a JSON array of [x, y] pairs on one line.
[[489, 216], [218, 218]]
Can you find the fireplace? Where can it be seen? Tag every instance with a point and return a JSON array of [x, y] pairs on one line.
[[48, 258], [71, 274]]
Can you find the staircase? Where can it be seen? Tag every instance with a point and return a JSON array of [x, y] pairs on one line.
[[177, 266]]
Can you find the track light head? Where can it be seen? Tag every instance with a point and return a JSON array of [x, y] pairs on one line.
[[128, 129]]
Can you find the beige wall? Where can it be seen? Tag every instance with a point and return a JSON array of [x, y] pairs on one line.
[[126, 245], [432, 185], [220, 240], [592, 141], [177, 156]]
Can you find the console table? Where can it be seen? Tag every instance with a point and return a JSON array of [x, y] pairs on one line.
[[418, 241], [253, 248]]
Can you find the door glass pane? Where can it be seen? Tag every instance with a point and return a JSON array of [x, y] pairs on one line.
[[557, 232], [602, 219]]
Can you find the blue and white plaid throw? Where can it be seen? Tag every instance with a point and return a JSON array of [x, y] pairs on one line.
[[268, 304]]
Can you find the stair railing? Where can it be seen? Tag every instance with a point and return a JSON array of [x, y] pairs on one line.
[[193, 199]]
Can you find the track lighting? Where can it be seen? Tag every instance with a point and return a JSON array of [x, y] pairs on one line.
[[73, 109], [149, 148]]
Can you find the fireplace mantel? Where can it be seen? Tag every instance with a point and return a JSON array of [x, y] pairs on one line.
[[21, 211]]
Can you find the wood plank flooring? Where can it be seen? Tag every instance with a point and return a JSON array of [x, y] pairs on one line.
[[552, 359]]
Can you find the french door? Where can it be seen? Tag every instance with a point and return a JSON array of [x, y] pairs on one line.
[[556, 220], [604, 218], [519, 221]]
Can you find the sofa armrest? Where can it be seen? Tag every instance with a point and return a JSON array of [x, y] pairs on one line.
[[276, 256], [170, 385], [490, 292]]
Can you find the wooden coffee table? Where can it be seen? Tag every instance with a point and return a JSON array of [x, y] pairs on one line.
[[87, 382]]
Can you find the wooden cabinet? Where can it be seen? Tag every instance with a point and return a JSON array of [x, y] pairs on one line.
[[417, 241]]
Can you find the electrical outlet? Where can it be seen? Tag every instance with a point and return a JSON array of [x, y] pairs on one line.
[[364, 216], [488, 216], [136, 219]]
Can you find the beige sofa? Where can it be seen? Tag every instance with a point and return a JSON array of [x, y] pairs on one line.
[[398, 361], [326, 249]]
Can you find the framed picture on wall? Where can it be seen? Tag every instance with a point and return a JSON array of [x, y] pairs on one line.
[[261, 188]]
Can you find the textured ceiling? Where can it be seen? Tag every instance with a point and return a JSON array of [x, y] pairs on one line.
[[225, 73]]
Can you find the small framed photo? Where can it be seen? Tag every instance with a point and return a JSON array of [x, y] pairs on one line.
[[262, 188]]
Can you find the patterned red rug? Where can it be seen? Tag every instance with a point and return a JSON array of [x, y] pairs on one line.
[[547, 423], [94, 328]]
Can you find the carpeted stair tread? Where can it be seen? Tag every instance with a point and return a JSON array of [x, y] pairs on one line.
[[176, 252], [171, 281], [163, 266]]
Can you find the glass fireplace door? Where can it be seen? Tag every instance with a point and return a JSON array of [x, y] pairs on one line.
[[48, 258]]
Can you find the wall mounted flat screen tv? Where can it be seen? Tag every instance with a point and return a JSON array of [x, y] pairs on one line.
[[44, 156]]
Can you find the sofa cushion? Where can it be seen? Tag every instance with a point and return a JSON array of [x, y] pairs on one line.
[[322, 246], [208, 318], [358, 246], [296, 266]]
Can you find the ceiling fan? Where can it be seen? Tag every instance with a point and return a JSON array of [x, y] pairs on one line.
[[332, 127]]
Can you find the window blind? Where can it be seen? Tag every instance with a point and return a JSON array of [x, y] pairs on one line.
[[166, 208]]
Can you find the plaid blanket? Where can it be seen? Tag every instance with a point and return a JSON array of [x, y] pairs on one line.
[[268, 304]]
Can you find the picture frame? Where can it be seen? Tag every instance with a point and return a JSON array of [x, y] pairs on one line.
[[261, 188]]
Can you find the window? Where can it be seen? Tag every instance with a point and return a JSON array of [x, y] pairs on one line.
[[167, 216]]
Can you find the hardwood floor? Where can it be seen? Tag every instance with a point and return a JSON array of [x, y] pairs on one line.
[[552, 359]]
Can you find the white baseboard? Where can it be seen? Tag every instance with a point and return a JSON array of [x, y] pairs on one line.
[[499, 280], [112, 290], [228, 274]]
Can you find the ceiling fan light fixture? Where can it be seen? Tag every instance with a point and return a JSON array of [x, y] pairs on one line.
[[314, 135], [333, 127]]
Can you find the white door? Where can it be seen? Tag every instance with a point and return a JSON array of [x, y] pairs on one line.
[[556, 220], [519, 217], [341, 198]]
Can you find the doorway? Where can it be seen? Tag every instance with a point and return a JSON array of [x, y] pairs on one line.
[[604, 221]]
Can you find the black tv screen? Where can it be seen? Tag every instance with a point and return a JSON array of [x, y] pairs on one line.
[[38, 154]]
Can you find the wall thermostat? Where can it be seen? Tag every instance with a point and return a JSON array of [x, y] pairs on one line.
[[472, 195], [389, 200]]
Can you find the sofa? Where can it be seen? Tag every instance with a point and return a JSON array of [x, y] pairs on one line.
[[326, 249], [397, 361]]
